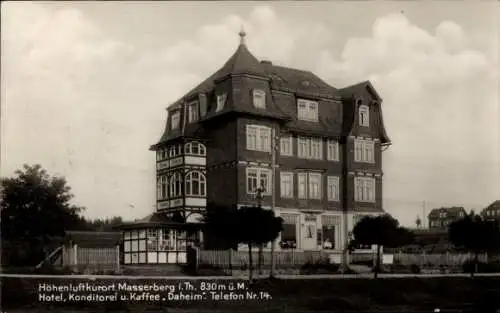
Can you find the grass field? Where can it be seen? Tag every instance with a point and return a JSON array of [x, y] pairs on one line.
[[449, 294]]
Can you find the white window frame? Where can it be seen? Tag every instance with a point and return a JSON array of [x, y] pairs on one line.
[[302, 185], [364, 116], [192, 109], [316, 148], [332, 150], [365, 189], [221, 101], [286, 145], [314, 185], [258, 138], [175, 120], [333, 188], [286, 185], [310, 148], [259, 98], [189, 148], [364, 151], [162, 187], [307, 110], [192, 177], [262, 175], [303, 147], [175, 185]]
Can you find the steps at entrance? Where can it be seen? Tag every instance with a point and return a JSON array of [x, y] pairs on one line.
[[153, 270]]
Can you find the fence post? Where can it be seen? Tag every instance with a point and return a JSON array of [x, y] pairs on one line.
[[117, 258]]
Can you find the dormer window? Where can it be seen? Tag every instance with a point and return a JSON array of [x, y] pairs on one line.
[[192, 112], [259, 98], [307, 110], [364, 116], [175, 119], [221, 101]]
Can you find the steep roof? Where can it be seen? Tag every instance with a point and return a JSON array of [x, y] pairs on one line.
[[495, 205], [94, 239], [451, 212]]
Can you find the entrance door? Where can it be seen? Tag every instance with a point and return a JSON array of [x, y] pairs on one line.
[[309, 237]]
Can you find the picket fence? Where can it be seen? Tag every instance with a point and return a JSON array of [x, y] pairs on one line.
[[294, 259]]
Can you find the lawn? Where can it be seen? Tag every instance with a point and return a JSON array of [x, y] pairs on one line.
[[450, 294]]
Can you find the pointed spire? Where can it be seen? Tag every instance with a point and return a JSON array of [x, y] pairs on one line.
[[242, 35]]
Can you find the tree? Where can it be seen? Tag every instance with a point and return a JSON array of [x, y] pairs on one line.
[[257, 227], [418, 222], [220, 225], [250, 225], [475, 235], [382, 230], [36, 207]]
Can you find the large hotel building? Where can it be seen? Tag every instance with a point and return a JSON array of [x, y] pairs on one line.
[[314, 149]]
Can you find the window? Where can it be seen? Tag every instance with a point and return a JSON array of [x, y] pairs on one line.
[[364, 151], [328, 224], [310, 148], [259, 98], [175, 119], [333, 188], [286, 145], [196, 184], [192, 112], [316, 151], [175, 185], [286, 185], [302, 182], [307, 110], [364, 189], [364, 116], [332, 150], [162, 187], [302, 147], [257, 178], [258, 138], [289, 233], [194, 148], [221, 101], [314, 186]]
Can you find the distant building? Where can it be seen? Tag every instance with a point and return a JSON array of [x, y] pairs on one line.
[[492, 211], [440, 218], [314, 150]]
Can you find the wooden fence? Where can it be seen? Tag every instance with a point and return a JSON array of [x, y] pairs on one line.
[[295, 259], [282, 259]]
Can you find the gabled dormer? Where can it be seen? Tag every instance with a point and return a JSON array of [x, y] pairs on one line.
[[363, 113]]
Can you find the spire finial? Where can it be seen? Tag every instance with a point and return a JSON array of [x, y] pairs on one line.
[[242, 35]]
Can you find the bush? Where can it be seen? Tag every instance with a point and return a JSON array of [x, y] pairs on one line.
[[319, 267], [50, 269], [415, 269], [482, 267]]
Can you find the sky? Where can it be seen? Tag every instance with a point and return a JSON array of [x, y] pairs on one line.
[[85, 85]]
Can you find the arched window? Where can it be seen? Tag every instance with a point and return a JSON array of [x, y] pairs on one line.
[[196, 184], [364, 116], [175, 185], [194, 148], [172, 151]]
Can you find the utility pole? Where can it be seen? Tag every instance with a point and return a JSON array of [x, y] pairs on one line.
[[424, 217], [274, 147]]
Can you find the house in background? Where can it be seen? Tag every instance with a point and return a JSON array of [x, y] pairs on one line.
[[440, 218], [492, 211], [314, 150]]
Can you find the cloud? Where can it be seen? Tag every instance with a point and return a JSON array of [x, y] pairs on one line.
[[87, 105]]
